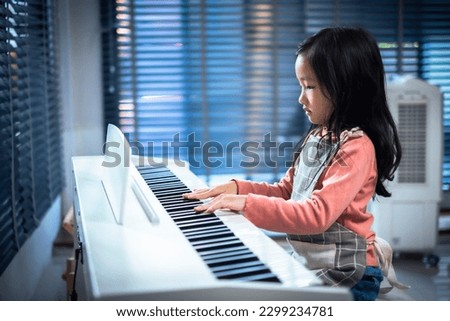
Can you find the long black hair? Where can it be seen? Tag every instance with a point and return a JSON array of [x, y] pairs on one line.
[[348, 65]]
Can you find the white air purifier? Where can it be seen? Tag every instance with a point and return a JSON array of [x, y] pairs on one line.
[[408, 219]]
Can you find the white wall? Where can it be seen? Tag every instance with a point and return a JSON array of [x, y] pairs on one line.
[[81, 84], [21, 277]]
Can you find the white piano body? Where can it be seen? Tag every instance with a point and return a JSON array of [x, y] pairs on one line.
[[144, 260]]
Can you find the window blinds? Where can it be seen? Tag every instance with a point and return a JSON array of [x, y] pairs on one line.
[[216, 78], [208, 80], [31, 175]]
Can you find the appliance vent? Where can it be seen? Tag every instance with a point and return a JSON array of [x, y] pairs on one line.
[[412, 120]]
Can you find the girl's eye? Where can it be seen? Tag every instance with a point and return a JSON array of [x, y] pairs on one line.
[[309, 87]]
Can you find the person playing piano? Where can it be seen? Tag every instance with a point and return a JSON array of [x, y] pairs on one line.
[[351, 149]]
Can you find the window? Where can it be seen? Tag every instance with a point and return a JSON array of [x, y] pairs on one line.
[[31, 173], [211, 81], [214, 81]]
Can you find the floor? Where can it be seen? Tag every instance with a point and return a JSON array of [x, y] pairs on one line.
[[428, 283]]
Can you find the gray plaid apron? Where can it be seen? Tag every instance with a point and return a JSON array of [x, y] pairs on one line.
[[337, 255]]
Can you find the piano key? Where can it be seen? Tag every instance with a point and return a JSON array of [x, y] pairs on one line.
[[225, 253], [157, 177], [173, 194], [218, 246], [238, 249], [261, 277], [181, 211], [169, 187], [206, 236], [171, 191], [236, 266], [213, 240], [179, 206], [191, 213], [193, 226], [164, 198], [227, 259], [186, 218], [186, 212], [245, 271], [207, 233], [165, 186], [193, 203]]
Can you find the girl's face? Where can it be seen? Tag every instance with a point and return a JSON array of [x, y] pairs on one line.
[[315, 103]]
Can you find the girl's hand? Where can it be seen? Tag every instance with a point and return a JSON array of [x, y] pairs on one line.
[[223, 197], [200, 194], [230, 202]]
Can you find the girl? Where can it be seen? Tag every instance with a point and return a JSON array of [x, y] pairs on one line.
[[351, 149]]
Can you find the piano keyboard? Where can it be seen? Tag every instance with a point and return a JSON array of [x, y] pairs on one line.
[[223, 252], [164, 250]]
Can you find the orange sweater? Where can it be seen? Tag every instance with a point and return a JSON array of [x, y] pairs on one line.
[[341, 194]]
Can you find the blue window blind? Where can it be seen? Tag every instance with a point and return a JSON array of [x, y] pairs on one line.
[[214, 78], [217, 77], [31, 172], [435, 64]]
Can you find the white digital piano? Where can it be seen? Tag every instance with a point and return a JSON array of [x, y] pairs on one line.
[[138, 239]]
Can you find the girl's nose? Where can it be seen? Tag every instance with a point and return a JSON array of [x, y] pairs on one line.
[[301, 98]]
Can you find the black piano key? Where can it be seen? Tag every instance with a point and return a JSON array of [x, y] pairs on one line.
[[167, 191], [192, 226], [157, 177], [237, 249], [172, 194], [207, 236], [217, 245], [194, 217], [236, 266], [226, 253], [183, 207], [214, 240], [161, 186], [167, 198], [181, 211], [161, 181], [153, 183], [173, 208], [179, 202], [177, 199], [190, 212], [246, 257], [260, 277], [187, 212], [169, 187], [207, 231], [242, 272]]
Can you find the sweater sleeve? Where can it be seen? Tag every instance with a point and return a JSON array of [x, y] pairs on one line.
[[282, 189], [351, 169]]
